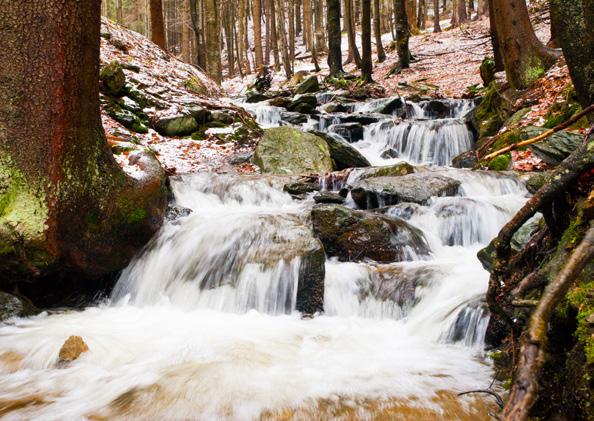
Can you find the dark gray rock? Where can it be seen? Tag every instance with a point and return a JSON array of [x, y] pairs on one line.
[[308, 86], [343, 154], [293, 118], [329, 197], [416, 188], [240, 158], [13, 306], [465, 160], [304, 104], [301, 187], [256, 97], [352, 132]]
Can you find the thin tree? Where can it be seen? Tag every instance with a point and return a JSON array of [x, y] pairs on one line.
[[282, 37], [334, 37], [70, 207], [377, 29], [257, 17], [525, 58], [366, 63], [157, 26], [349, 23]]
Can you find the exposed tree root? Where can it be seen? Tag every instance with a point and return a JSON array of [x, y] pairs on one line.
[[532, 352]]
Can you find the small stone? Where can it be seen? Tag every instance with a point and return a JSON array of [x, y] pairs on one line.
[[72, 348]]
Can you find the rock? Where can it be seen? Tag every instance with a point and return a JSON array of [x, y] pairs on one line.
[[304, 104], [396, 170], [240, 158], [183, 125], [500, 163], [113, 79], [220, 116], [72, 349], [125, 117], [495, 107], [352, 132], [329, 197], [361, 118], [536, 181], [335, 107], [487, 70], [202, 115], [175, 212], [486, 256], [256, 97], [12, 306], [556, 147], [301, 187], [354, 235], [416, 188], [308, 86], [293, 118], [285, 150], [465, 160], [280, 101], [384, 105], [343, 154]]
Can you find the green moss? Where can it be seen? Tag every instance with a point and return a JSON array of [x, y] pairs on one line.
[[500, 163], [195, 85], [137, 216], [491, 112]]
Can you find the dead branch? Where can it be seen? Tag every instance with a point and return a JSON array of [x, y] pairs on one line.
[[488, 392], [542, 136], [525, 388]]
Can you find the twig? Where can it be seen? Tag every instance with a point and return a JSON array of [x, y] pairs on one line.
[[542, 136], [488, 392]]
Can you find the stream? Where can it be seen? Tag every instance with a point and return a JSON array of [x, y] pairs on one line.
[[203, 324]]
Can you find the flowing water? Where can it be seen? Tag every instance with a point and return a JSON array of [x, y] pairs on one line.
[[203, 324]]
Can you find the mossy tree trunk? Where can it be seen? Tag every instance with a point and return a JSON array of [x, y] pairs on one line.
[[525, 58], [65, 205], [575, 30]]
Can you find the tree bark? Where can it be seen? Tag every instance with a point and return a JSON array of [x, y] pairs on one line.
[[319, 26], [186, 32], [525, 58], [213, 44], [334, 37], [575, 25], [377, 29], [282, 36], [402, 34], [366, 64], [350, 28], [157, 27], [257, 17], [436, 24], [65, 205]]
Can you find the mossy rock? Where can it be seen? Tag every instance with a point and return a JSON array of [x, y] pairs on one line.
[[402, 168], [116, 110], [491, 113], [517, 117], [285, 150], [554, 148], [113, 79], [563, 111], [308, 86], [196, 86], [488, 70], [500, 163], [177, 126]]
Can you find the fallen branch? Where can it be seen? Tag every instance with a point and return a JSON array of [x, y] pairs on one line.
[[488, 392], [525, 388], [542, 136]]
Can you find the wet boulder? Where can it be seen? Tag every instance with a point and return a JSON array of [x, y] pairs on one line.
[[301, 187], [362, 118], [72, 349], [416, 188], [555, 148], [280, 101], [329, 197], [353, 235], [396, 170], [180, 125], [336, 107], [352, 132], [293, 118], [13, 306], [304, 104], [285, 150], [308, 86], [465, 160], [343, 154], [385, 106], [256, 97]]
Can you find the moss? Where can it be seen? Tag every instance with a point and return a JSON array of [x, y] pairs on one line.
[[137, 216], [491, 112], [195, 85], [500, 163]]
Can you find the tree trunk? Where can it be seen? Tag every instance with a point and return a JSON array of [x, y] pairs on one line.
[[402, 34], [157, 27], [497, 56], [575, 23], [350, 28], [436, 25], [525, 58], [319, 24], [274, 33], [421, 18], [282, 37], [213, 45], [65, 205], [256, 15], [186, 32], [377, 29], [462, 15], [366, 64], [334, 37], [229, 43], [298, 26]]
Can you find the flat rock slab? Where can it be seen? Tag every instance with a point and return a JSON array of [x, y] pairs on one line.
[[416, 188]]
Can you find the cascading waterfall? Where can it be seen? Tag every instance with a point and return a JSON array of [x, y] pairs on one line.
[[203, 324]]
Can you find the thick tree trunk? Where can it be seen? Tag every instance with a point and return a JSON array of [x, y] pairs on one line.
[[319, 26], [334, 37], [436, 25], [402, 34], [350, 28], [377, 29], [157, 26], [525, 58], [186, 32], [257, 17], [65, 205], [497, 56], [366, 64], [213, 44], [575, 25]]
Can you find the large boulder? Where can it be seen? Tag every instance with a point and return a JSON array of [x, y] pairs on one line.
[[285, 150], [181, 125], [12, 306], [293, 118], [353, 235], [343, 154], [555, 148], [308, 86], [304, 104], [416, 188], [352, 132]]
